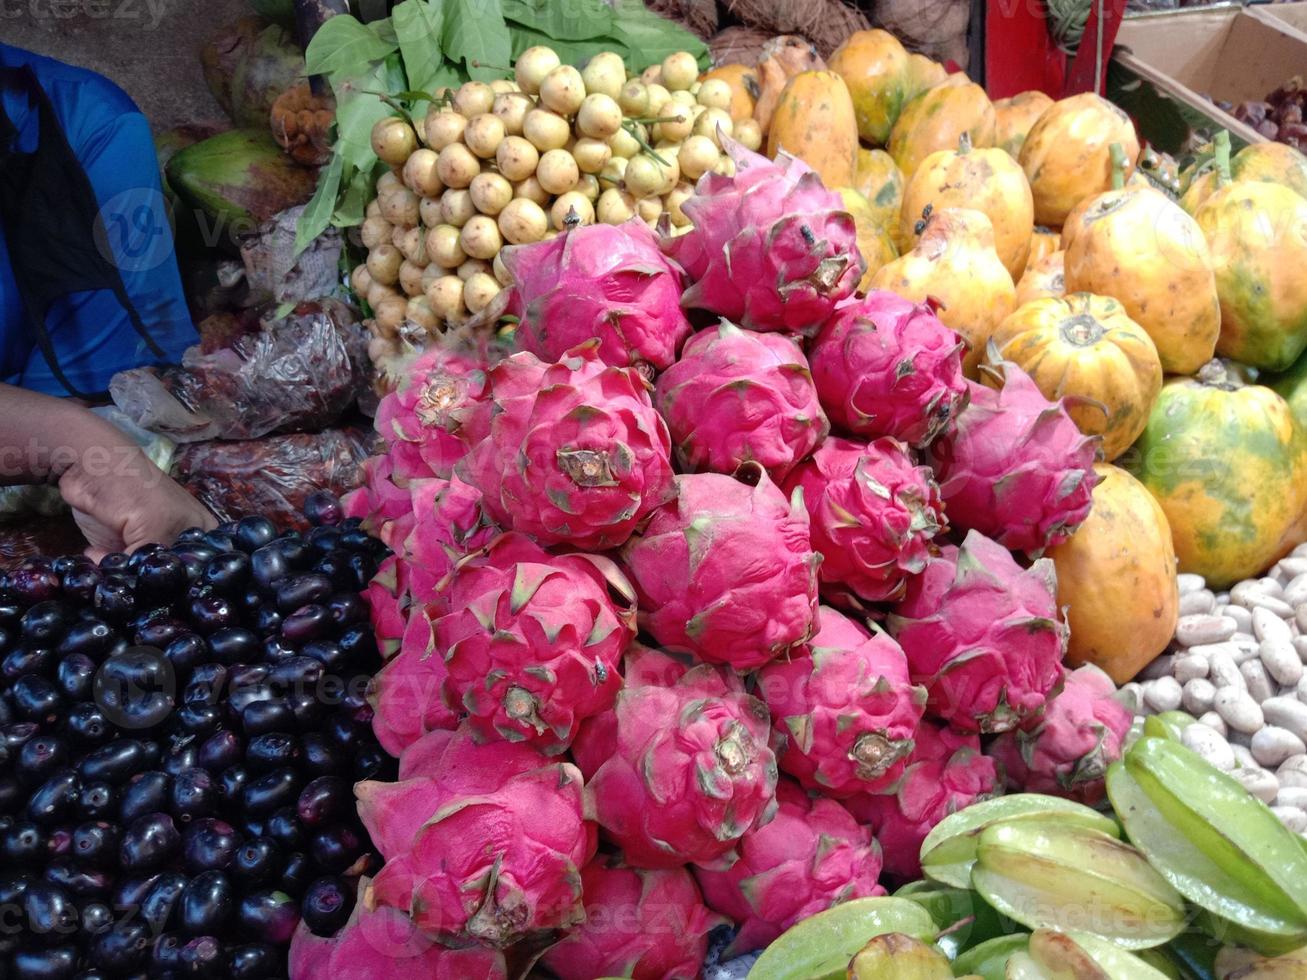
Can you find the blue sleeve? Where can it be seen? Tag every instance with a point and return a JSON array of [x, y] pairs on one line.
[[91, 332]]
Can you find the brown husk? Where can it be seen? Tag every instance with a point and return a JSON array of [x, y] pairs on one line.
[[826, 22], [697, 16], [935, 28], [738, 45]]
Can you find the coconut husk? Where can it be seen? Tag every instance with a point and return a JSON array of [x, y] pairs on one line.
[[738, 45], [827, 23], [935, 28], [697, 16]]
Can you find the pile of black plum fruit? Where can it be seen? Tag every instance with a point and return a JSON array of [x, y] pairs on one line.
[[180, 731]]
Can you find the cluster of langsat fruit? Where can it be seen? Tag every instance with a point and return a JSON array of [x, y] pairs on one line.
[[514, 162]]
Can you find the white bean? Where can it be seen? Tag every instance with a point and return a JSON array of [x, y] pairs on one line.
[[1163, 694], [1244, 647], [1300, 551], [1239, 710], [1254, 675], [1199, 695], [1288, 713], [1268, 626], [1239, 614], [1243, 757], [1159, 666], [1223, 671], [1258, 782], [1300, 644], [1293, 771], [1295, 593], [1300, 614], [1294, 567], [1216, 723], [1292, 817], [1131, 696], [1202, 628], [1260, 600], [1281, 661], [1189, 582], [1223, 598], [1201, 601], [1188, 666], [1271, 585], [1292, 796], [1272, 745], [1210, 745]]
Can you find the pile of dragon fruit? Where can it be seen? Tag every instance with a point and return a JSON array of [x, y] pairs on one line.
[[707, 604]]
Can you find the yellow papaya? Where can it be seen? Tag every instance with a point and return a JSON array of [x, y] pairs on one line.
[[814, 121], [743, 81], [1042, 279], [936, 120], [877, 178], [874, 65], [874, 241], [1014, 116]]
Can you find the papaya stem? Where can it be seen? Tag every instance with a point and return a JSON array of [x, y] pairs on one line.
[[964, 144], [1221, 154], [1119, 163]]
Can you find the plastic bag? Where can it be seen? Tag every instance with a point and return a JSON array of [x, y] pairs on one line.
[[272, 476], [299, 374]]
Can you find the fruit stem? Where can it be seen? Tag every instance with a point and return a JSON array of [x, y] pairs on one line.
[[1221, 154], [1119, 163], [645, 145], [485, 64], [964, 144]]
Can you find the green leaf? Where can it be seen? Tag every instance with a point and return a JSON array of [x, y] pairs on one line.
[[475, 32], [344, 46], [419, 24], [316, 216], [579, 20], [384, 28], [651, 38], [351, 205], [571, 52], [358, 110]]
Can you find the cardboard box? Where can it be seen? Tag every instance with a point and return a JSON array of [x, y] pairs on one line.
[[1169, 67], [1282, 15]]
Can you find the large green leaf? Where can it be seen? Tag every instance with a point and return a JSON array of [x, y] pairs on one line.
[[344, 46], [579, 20], [571, 52], [353, 201], [316, 216], [419, 25], [358, 108], [475, 33], [651, 38]]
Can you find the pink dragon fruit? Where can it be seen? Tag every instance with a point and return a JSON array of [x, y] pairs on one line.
[[945, 773], [492, 855], [812, 856], [687, 772], [379, 501], [449, 523], [640, 923], [887, 367], [984, 635], [1015, 467], [580, 458], [533, 641], [388, 603], [420, 420], [407, 693], [380, 943], [736, 396], [844, 717], [770, 248], [874, 512], [1067, 751], [602, 281], [726, 570]]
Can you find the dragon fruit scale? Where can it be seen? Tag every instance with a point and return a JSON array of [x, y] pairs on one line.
[[380, 943], [641, 923], [983, 635], [737, 396], [1015, 466], [407, 694], [945, 773], [813, 855], [481, 848], [420, 420], [449, 523], [726, 570], [610, 282], [886, 367], [1066, 752], [533, 641], [769, 248], [387, 597], [687, 772], [874, 512], [573, 452], [845, 716]]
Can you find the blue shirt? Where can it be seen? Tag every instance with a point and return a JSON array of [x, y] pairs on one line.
[[92, 335]]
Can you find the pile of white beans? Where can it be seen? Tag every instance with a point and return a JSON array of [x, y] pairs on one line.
[[1238, 667]]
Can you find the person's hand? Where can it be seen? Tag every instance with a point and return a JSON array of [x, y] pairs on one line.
[[135, 504]]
